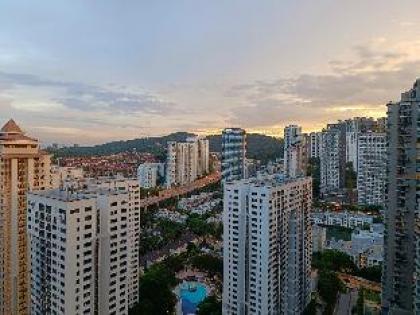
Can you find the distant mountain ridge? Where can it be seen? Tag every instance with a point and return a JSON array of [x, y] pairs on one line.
[[259, 146]]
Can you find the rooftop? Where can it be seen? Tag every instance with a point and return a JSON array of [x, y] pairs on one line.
[[76, 194], [11, 131], [11, 127], [64, 195], [268, 180]]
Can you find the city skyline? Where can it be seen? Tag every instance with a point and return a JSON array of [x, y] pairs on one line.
[[209, 157], [200, 67]]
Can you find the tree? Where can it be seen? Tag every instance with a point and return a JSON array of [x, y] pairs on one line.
[[210, 306], [373, 273], [259, 146], [378, 220], [339, 233], [311, 308], [175, 263], [329, 285], [208, 263], [333, 260], [198, 225], [360, 306], [366, 226], [192, 249], [155, 292]]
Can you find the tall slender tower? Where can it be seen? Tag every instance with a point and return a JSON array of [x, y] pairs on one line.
[[333, 158], [371, 168], [233, 154], [401, 280], [23, 167]]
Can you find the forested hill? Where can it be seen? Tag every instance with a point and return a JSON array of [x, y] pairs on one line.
[[259, 146]]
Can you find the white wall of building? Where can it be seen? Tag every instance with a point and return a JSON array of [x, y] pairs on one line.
[[267, 234]]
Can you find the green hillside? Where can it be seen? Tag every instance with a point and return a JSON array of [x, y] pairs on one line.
[[259, 146]]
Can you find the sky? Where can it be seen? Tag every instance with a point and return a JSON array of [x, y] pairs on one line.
[[90, 72]]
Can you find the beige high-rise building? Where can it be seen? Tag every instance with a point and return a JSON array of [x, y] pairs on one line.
[[84, 244], [187, 161], [23, 167]]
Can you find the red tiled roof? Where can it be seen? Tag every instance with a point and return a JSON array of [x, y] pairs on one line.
[[14, 137], [11, 127]]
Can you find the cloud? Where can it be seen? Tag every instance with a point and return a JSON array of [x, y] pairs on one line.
[[87, 98], [360, 87], [79, 112], [76, 112]]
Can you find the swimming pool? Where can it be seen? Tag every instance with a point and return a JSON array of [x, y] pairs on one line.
[[192, 294]]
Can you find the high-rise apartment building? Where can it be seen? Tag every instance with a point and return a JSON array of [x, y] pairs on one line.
[[149, 174], [203, 164], [400, 280], [314, 144], [233, 154], [186, 161], [292, 134], [332, 159], [371, 168], [23, 167], [61, 175], [381, 124], [296, 153], [354, 127], [267, 246], [84, 248], [352, 138]]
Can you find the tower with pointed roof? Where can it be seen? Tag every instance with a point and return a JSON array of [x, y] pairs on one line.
[[23, 167]]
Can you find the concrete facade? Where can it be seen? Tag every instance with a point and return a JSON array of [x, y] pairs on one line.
[[233, 154], [24, 167], [400, 281], [267, 246], [84, 248]]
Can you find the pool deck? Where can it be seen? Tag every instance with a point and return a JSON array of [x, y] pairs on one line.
[[177, 291]]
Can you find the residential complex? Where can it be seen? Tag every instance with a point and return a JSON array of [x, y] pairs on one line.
[[358, 145], [366, 248], [233, 154], [186, 161], [84, 248], [23, 167], [354, 127], [400, 281], [343, 219], [371, 168], [149, 174], [61, 175], [267, 246], [123, 163]]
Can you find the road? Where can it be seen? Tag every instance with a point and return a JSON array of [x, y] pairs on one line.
[[182, 190], [356, 282], [346, 302]]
